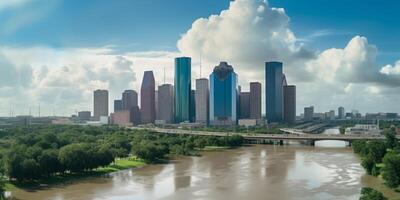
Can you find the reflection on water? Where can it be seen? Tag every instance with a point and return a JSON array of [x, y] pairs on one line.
[[256, 172]]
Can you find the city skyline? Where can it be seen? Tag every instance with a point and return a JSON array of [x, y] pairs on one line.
[[367, 74]]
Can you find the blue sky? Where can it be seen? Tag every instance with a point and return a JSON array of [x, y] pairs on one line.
[[56, 52], [157, 24]]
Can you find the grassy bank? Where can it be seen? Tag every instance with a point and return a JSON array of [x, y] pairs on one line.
[[117, 165]]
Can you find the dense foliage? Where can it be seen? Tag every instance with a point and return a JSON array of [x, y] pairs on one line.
[[381, 157], [371, 194], [35, 152], [243, 129]]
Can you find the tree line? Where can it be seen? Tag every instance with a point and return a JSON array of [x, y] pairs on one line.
[[381, 157], [35, 152]]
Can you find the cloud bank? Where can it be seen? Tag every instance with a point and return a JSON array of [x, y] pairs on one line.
[[247, 34]]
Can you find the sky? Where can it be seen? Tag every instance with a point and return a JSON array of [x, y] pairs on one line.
[[338, 53]]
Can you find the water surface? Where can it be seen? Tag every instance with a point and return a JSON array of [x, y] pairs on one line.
[[257, 172]]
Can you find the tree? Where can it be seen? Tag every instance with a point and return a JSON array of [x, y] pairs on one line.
[[391, 140], [74, 157], [30, 169], [377, 150], [391, 169], [149, 151], [49, 163], [371, 194], [368, 163]]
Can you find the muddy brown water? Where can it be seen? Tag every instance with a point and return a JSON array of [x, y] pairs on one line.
[[260, 172]]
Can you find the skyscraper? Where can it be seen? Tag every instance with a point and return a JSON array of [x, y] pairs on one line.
[[244, 105], [255, 100], [182, 88], [341, 113], [274, 91], [118, 105], [202, 100], [309, 113], [192, 106], [223, 95], [100, 104], [289, 104], [129, 99], [166, 103], [147, 98]]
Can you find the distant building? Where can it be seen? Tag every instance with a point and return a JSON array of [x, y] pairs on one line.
[[391, 115], [370, 129], [129, 99], [223, 95], [244, 105], [331, 115], [192, 107], [100, 104], [84, 115], [289, 104], [121, 118], [202, 100], [341, 113], [274, 91], [118, 105], [182, 89], [147, 98], [135, 115], [255, 100], [166, 103], [308, 113], [156, 103]]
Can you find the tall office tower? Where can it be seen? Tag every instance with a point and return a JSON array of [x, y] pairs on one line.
[[202, 100], [135, 115], [309, 113], [182, 89], [244, 105], [147, 98], [341, 113], [331, 115], [156, 103], [289, 104], [166, 103], [255, 100], [223, 95], [274, 80], [129, 99], [100, 104], [118, 105], [192, 106]]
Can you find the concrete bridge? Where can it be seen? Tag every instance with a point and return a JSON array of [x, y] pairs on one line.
[[289, 135]]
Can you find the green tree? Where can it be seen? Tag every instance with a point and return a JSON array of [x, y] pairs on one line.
[[149, 151], [391, 140], [371, 194], [368, 163], [74, 157], [391, 169]]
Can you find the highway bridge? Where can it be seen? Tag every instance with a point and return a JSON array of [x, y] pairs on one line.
[[289, 134]]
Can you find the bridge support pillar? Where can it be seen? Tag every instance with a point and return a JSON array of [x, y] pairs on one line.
[[281, 142], [312, 143]]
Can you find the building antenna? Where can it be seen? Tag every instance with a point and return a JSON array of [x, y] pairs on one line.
[[164, 75], [200, 65]]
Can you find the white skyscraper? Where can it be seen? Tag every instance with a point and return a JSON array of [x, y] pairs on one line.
[[201, 100]]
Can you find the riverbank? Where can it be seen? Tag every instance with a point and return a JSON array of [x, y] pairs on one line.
[[118, 165]]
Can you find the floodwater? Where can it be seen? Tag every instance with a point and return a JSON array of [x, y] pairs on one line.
[[259, 172]]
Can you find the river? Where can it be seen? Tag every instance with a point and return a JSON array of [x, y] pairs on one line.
[[267, 172]]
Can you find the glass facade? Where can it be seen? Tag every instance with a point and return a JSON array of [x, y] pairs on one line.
[[182, 89], [223, 95], [274, 91]]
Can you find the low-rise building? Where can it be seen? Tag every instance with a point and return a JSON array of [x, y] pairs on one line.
[[121, 118], [370, 129]]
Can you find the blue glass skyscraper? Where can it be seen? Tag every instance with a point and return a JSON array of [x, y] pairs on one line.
[[182, 89], [223, 95], [274, 91]]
